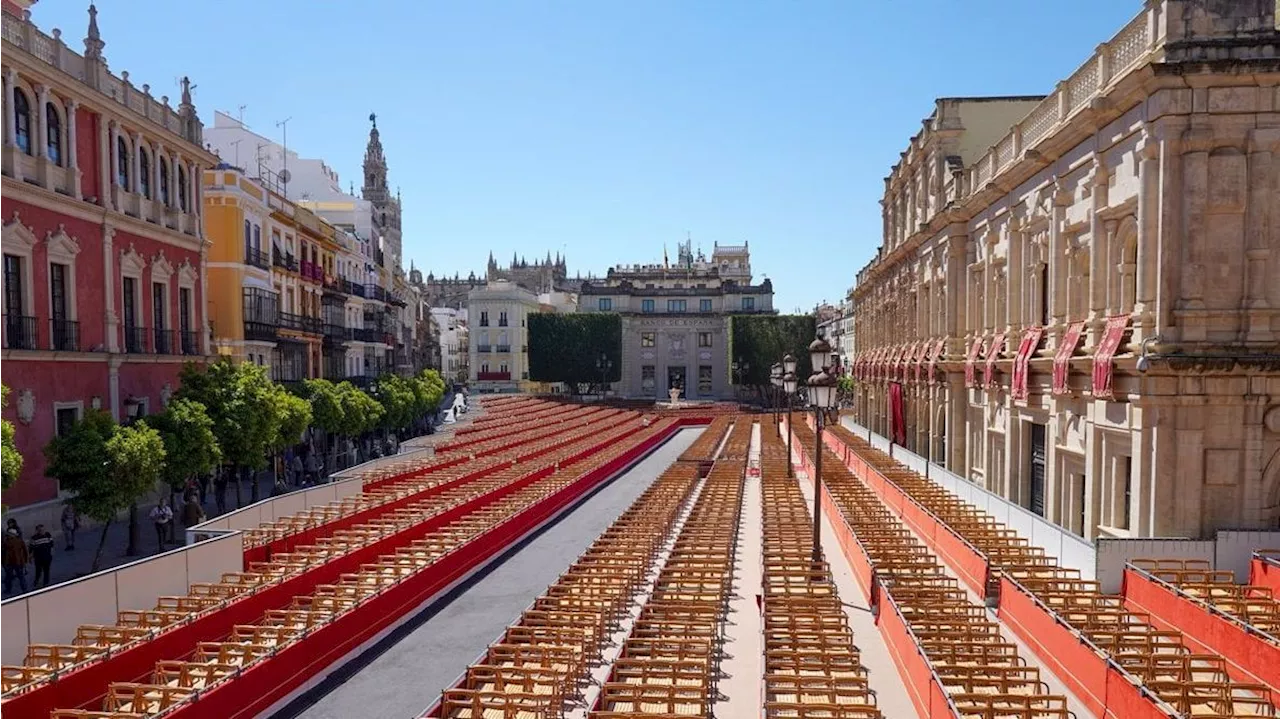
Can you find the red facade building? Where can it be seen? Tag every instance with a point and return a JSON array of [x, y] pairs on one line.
[[104, 251]]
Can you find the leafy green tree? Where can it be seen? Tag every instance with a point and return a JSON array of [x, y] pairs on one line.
[[397, 398], [565, 348], [295, 417], [246, 412], [10, 457], [762, 340], [106, 467], [361, 413], [191, 449]]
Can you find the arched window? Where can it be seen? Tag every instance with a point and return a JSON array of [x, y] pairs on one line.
[[144, 172], [164, 182], [122, 163], [22, 120], [53, 131], [182, 188]]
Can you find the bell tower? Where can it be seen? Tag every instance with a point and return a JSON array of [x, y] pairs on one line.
[[385, 208]]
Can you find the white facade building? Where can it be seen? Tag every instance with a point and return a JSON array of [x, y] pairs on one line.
[[497, 321]]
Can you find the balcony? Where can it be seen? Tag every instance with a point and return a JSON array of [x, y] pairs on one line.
[[311, 271], [284, 260], [493, 376], [264, 331], [335, 334], [135, 339], [190, 345], [164, 341], [363, 334], [20, 332], [336, 285], [502, 321], [256, 258], [502, 348], [375, 292], [300, 323], [484, 348], [64, 336], [352, 288]]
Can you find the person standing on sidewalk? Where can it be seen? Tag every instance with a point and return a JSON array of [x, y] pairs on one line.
[[41, 545], [70, 523], [15, 558], [192, 512], [162, 517]]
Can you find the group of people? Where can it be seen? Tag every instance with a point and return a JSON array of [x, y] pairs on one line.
[[36, 551]]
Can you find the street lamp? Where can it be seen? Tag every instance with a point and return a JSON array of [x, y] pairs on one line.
[[822, 397], [790, 383], [604, 364], [775, 379]]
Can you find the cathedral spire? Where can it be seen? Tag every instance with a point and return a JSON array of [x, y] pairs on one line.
[[93, 43], [375, 166]]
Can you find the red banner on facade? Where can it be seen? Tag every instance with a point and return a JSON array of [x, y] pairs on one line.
[[971, 361], [1062, 357], [1021, 363], [993, 354], [897, 416], [937, 355], [1103, 369]]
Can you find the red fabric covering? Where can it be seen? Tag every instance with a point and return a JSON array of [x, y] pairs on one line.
[[921, 682], [1103, 370], [1021, 363], [970, 362], [993, 354], [852, 549], [897, 412], [937, 355], [1265, 572], [1062, 357]]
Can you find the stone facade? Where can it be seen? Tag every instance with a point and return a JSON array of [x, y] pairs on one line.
[[1140, 203], [497, 315]]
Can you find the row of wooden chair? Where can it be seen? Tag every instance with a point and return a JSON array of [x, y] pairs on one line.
[[540, 664], [812, 668], [215, 661], [521, 427], [516, 415], [669, 664], [1252, 605], [984, 674], [705, 446], [1158, 658]]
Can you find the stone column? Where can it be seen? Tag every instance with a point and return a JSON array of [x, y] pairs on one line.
[[112, 321], [1259, 222], [1058, 258], [73, 160], [1016, 304], [135, 164], [202, 303], [10, 120], [41, 134], [1098, 252], [1148, 228], [156, 154], [106, 162]]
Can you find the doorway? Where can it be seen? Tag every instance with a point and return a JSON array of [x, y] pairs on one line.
[[1038, 461], [675, 379]]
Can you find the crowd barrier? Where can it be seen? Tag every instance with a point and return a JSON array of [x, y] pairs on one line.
[[260, 687], [52, 615], [1264, 571], [1252, 656], [1230, 550], [1072, 551], [274, 508], [1106, 689]]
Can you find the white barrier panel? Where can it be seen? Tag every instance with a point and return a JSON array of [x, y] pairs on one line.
[[1072, 551], [273, 508], [1113, 553], [380, 462], [1234, 549], [52, 615]]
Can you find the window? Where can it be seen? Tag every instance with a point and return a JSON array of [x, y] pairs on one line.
[[184, 309], [144, 173], [58, 294], [1127, 464], [646, 305], [606, 304], [22, 120], [257, 237], [65, 418], [1044, 295], [704, 339], [676, 305], [646, 339], [157, 305], [14, 299], [129, 306], [502, 319], [182, 188], [704, 305], [484, 368], [484, 318], [53, 133], [502, 367], [648, 379], [248, 235], [122, 163], [704, 379], [164, 182], [748, 303]]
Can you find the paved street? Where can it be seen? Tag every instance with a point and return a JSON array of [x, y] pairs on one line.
[[407, 672]]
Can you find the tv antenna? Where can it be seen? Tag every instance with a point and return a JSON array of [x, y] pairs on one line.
[[284, 172], [240, 114]]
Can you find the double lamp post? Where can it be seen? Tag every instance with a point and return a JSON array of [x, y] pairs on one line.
[[821, 397]]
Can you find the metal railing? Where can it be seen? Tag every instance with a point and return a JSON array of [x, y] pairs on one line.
[[165, 341], [285, 260], [260, 330], [502, 348], [190, 345], [21, 332], [484, 348], [257, 258], [135, 339], [64, 336]]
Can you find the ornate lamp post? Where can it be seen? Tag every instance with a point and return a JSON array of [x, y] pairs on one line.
[[790, 383], [775, 379], [822, 397]]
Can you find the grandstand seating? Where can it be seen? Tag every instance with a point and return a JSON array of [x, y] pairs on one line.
[[980, 671], [1189, 682], [1252, 605]]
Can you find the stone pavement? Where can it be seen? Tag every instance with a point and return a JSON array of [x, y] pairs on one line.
[[76, 563]]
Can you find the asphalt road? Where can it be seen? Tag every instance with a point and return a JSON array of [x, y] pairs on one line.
[[400, 677]]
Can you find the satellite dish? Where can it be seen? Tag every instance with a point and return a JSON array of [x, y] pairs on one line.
[[284, 175]]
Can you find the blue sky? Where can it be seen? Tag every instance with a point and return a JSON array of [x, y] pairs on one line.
[[606, 128]]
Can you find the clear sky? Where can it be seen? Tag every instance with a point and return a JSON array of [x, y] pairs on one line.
[[606, 128]]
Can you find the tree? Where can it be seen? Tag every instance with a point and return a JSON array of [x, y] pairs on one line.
[[360, 412], [397, 399], [191, 449], [295, 417], [243, 404], [566, 348], [107, 468], [762, 340], [10, 457]]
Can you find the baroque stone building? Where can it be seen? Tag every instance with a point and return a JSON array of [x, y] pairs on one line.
[[1075, 303]]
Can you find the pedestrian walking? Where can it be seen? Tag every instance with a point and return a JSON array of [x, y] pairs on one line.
[[70, 523], [162, 518], [15, 557], [41, 546], [192, 513], [12, 526], [295, 470]]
